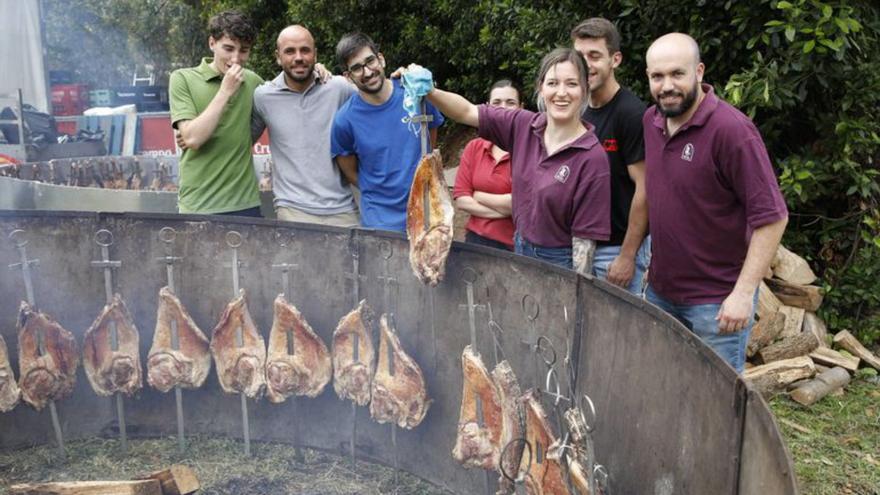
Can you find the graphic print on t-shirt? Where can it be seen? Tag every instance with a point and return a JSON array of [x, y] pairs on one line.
[[610, 145], [562, 174], [687, 154]]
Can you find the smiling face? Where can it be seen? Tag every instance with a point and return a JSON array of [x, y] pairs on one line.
[[296, 54], [599, 59], [366, 69], [562, 92], [228, 52], [674, 74]]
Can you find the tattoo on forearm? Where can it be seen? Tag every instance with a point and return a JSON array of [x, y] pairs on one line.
[[582, 253]]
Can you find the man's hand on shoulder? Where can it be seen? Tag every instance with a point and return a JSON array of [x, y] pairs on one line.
[[232, 80], [735, 312]]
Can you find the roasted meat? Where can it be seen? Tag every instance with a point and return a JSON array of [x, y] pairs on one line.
[[354, 358], [545, 473], [512, 423], [110, 371], [478, 443], [241, 366], [299, 362], [189, 364], [429, 231], [399, 394], [47, 372], [9, 391]]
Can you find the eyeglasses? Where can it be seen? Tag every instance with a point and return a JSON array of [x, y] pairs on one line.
[[372, 62]]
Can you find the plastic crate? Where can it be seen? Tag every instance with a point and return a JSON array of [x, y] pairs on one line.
[[69, 99], [127, 95], [100, 98]]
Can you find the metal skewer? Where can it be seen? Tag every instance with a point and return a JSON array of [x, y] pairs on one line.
[[234, 240], [355, 276], [387, 252], [284, 238], [167, 236], [17, 238], [104, 238]]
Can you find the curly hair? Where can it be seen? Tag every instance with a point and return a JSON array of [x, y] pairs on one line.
[[233, 24]]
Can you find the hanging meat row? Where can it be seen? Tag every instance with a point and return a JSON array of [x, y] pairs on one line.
[[297, 363]]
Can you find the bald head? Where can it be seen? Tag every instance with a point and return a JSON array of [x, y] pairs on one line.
[[678, 44], [675, 74], [295, 33], [295, 53]]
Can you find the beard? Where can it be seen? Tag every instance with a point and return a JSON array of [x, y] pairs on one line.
[[687, 102], [297, 78], [370, 90]]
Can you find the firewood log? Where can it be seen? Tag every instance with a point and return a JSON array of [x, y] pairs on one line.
[[825, 383], [791, 267], [764, 332], [794, 321], [768, 303], [773, 377], [790, 347], [846, 340], [808, 297], [814, 324], [832, 358]]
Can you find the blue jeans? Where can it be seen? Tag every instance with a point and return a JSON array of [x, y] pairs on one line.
[[606, 254], [557, 256], [700, 319]]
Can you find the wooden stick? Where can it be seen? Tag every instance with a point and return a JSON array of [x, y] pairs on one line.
[[138, 487], [809, 393]]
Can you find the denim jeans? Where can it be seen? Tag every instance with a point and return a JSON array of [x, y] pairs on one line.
[[557, 256], [606, 254], [700, 319]]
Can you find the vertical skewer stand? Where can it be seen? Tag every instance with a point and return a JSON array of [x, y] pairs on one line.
[[234, 240], [167, 236]]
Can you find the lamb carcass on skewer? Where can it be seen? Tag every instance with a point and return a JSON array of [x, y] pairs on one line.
[[299, 362], [47, 372], [9, 391], [354, 358], [240, 368], [545, 475], [513, 424], [478, 443], [110, 371], [189, 364], [399, 393], [429, 226]]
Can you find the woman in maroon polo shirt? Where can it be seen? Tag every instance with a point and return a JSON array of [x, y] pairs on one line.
[[560, 174], [482, 184]]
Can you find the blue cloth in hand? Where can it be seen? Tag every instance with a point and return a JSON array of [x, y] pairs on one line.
[[417, 82]]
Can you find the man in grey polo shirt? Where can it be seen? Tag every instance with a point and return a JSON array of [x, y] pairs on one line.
[[298, 110]]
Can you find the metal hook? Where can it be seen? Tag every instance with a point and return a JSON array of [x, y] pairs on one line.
[[527, 446], [589, 402], [601, 475], [386, 250], [530, 307], [167, 235], [543, 344], [552, 376], [18, 238], [468, 275], [104, 237], [233, 239]]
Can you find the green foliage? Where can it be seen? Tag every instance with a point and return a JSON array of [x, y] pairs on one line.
[[806, 71]]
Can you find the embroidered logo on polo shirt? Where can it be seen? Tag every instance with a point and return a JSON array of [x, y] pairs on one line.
[[610, 145], [687, 154], [562, 174]]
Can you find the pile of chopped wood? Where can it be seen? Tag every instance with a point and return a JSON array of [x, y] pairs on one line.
[[789, 347], [176, 480]]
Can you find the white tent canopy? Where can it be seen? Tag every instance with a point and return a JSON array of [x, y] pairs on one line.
[[21, 52]]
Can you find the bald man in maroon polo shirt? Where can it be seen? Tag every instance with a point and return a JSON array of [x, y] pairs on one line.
[[715, 211]]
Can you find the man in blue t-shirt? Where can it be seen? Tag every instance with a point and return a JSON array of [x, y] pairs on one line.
[[372, 141]]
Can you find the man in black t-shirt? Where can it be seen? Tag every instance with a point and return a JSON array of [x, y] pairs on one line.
[[617, 115]]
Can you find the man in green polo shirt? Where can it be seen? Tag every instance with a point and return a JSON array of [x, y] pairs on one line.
[[211, 109]]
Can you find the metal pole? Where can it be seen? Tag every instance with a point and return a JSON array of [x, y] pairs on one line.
[[167, 235], [239, 337]]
